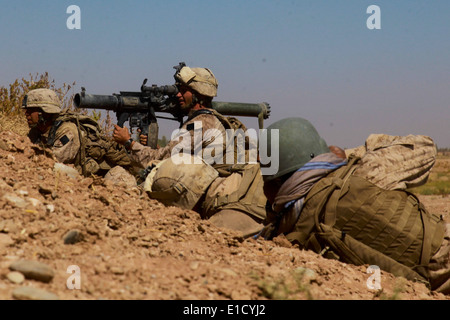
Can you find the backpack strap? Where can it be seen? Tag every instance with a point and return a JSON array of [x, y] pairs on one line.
[[432, 232], [199, 112], [225, 122], [336, 183], [248, 175], [82, 152], [52, 133]]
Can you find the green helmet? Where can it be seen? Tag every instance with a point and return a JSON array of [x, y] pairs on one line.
[[45, 99], [299, 142]]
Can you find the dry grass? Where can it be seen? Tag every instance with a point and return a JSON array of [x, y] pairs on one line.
[[12, 117], [11, 98], [11, 114], [439, 180]]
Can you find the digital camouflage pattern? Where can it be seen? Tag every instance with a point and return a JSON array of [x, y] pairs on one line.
[[245, 210], [67, 142], [180, 184], [395, 162], [142, 155], [201, 80], [45, 99]]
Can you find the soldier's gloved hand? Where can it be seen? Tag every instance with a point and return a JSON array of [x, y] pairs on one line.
[[121, 135]]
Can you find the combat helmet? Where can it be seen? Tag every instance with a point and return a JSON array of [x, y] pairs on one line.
[[298, 143], [45, 99], [180, 181], [202, 80]]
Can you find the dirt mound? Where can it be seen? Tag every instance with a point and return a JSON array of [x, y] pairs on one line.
[[113, 242]]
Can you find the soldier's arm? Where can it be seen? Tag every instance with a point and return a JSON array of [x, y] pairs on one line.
[[189, 139], [67, 143]]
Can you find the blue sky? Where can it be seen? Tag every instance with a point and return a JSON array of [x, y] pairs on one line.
[[311, 59]]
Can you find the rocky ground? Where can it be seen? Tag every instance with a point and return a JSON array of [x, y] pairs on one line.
[[83, 238]]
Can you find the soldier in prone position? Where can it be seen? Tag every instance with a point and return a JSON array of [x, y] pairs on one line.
[[356, 209], [73, 138], [42, 107]]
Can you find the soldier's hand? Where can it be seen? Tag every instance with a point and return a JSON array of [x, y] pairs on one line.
[[121, 135], [142, 138], [338, 151]]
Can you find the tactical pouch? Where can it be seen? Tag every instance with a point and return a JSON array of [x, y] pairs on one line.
[[241, 189]]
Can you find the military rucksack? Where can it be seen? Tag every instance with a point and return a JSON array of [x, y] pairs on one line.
[[241, 189], [346, 217], [97, 153]]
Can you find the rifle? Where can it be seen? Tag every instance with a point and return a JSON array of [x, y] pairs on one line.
[[140, 108]]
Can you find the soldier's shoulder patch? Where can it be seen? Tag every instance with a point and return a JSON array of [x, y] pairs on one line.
[[64, 140]]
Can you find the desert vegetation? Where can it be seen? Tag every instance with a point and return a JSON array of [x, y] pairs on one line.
[[12, 119]]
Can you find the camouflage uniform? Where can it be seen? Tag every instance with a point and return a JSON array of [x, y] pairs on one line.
[[202, 130], [389, 162], [439, 266], [67, 141], [73, 139], [395, 162], [142, 155]]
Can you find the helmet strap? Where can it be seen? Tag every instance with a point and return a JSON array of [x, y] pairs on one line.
[[44, 121], [41, 120], [195, 99], [204, 101]]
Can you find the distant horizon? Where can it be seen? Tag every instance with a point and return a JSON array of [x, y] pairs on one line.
[[349, 70]]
